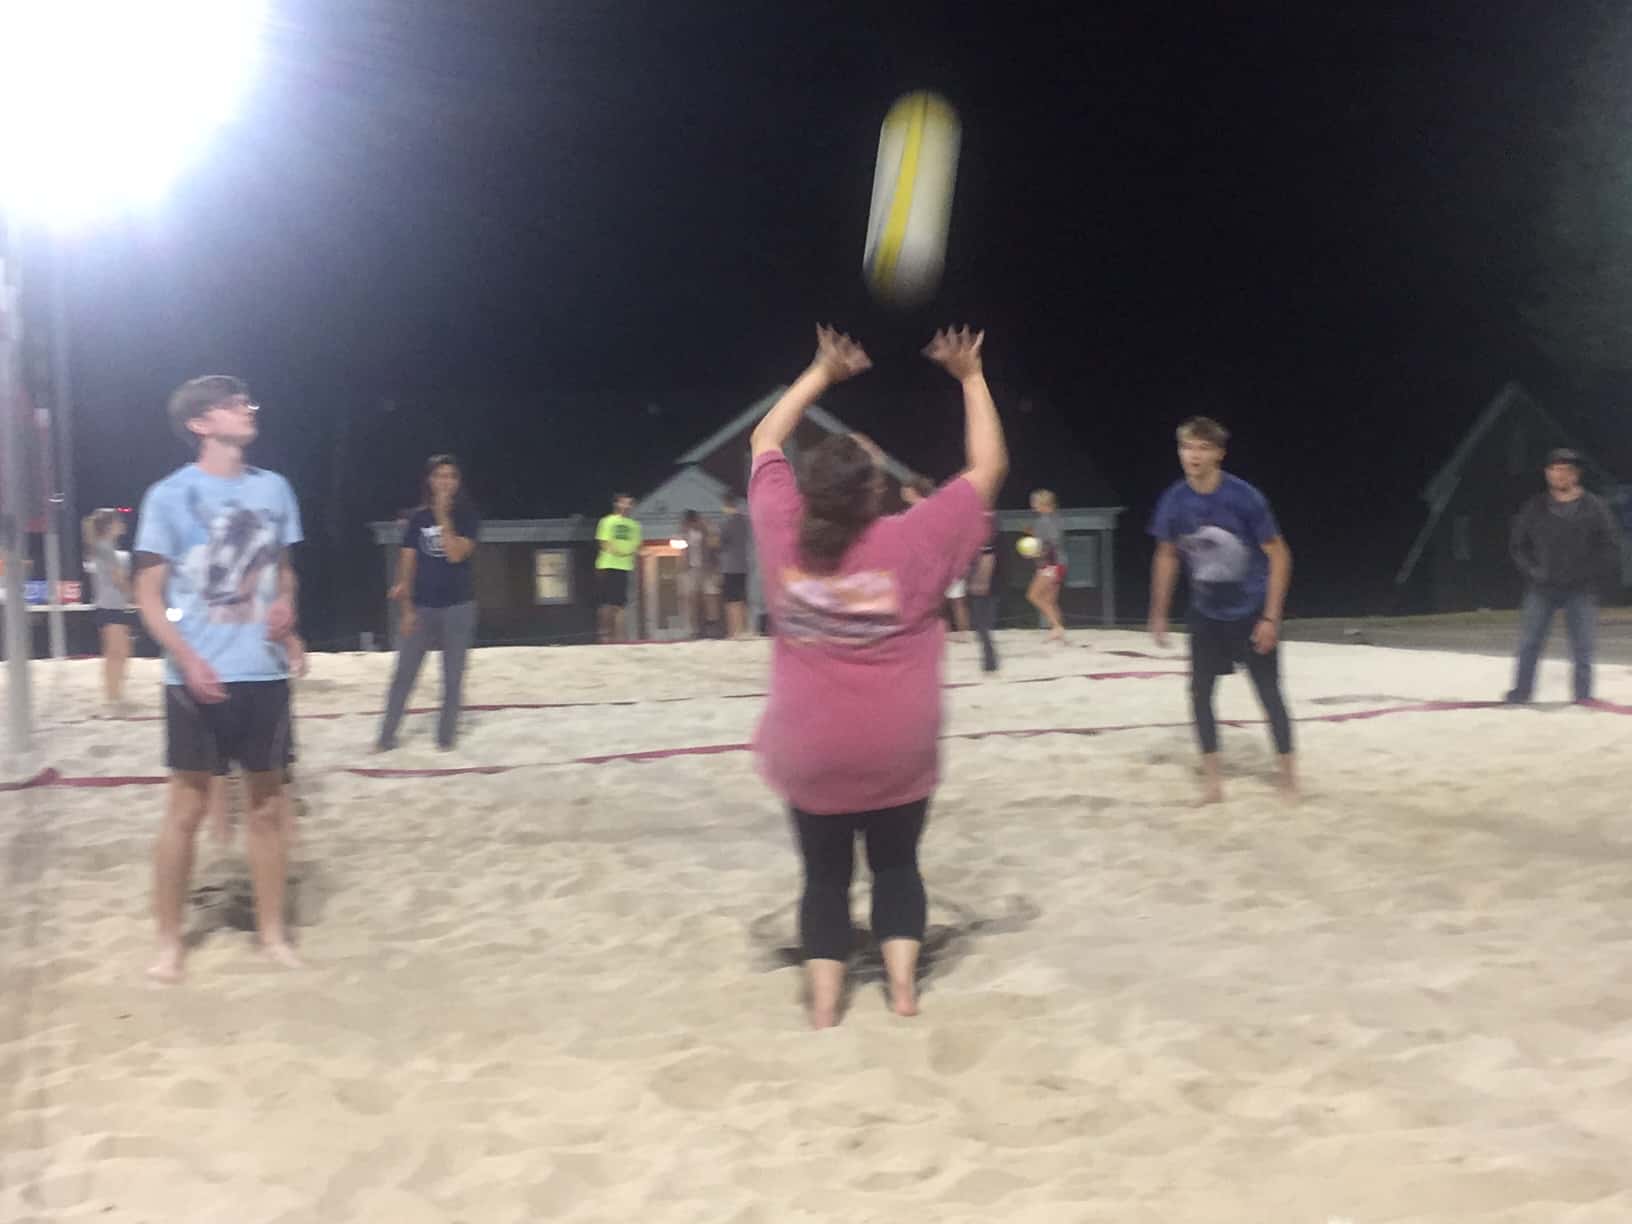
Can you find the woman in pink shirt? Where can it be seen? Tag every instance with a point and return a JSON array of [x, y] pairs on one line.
[[850, 737]]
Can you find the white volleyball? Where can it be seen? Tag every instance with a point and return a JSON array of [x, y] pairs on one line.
[[912, 199]]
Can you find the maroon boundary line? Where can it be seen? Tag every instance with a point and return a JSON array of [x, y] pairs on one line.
[[52, 777]]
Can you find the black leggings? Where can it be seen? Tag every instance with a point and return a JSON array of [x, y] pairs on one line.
[[1215, 648], [828, 844]]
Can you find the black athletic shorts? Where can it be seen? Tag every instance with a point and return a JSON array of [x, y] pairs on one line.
[[111, 616], [736, 588], [225, 766], [1216, 646], [614, 587], [251, 728]]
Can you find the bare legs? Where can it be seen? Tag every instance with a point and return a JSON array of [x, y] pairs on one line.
[[736, 620], [219, 819], [115, 659], [824, 984], [1044, 595], [609, 626], [269, 828], [901, 968], [268, 846], [185, 800]]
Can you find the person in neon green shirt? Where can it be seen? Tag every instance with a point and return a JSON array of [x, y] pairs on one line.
[[618, 536]]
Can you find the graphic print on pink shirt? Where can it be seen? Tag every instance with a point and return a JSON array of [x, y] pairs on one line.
[[842, 609]]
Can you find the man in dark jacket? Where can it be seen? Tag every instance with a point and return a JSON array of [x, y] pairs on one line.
[[1564, 543]]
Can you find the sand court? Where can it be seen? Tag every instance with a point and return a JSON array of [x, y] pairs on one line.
[[554, 989]]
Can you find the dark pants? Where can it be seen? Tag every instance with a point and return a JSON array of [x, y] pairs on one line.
[[828, 844], [449, 630], [1536, 619], [1215, 648], [983, 615]]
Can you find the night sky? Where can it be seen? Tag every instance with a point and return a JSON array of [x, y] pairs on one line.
[[570, 240]]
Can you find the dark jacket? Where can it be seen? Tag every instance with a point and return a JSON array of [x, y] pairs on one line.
[[1567, 552]]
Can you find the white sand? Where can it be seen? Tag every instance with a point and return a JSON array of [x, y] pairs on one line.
[[550, 993]]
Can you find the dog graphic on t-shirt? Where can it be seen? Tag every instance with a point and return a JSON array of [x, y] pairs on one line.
[[235, 569]]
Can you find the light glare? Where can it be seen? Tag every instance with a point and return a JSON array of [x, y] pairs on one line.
[[105, 102]]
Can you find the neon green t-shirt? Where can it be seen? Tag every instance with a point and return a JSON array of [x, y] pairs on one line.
[[621, 535]]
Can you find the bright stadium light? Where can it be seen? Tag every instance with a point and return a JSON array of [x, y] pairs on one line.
[[103, 103]]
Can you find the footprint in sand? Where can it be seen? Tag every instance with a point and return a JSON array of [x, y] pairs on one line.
[[775, 937]]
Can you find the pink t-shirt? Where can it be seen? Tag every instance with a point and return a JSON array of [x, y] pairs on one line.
[[854, 718]]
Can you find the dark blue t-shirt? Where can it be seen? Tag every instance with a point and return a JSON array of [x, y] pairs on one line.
[[1221, 536], [438, 582]]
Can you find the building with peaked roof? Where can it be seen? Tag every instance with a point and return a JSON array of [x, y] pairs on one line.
[[535, 580], [1459, 560]]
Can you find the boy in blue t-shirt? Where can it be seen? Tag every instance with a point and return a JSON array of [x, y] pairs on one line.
[[1223, 532], [216, 591]]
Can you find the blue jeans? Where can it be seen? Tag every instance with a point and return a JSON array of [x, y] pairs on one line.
[[1536, 618]]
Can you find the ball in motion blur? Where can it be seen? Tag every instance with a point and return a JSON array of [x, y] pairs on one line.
[[1030, 546], [912, 199]]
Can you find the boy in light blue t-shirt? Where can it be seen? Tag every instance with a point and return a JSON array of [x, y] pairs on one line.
[[216, 591]]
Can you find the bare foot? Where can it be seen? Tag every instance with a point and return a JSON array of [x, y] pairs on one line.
[[823, 1017], [280, 951], [903, 1000], [1286, 779], [168, 967], [1211, 792]]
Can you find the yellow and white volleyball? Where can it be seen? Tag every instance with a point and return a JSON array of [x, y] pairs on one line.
[[912, 199], [1029, 546]]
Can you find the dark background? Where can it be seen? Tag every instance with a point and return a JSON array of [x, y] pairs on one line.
[[567, 241]]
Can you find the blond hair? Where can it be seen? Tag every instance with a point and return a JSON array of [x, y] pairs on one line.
[[96, 526]]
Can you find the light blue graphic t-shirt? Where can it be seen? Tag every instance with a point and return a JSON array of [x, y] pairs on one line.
[[222, 538], [1221, 536]]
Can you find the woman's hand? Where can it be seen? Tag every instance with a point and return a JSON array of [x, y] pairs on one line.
[[956, 352], [838, 355]]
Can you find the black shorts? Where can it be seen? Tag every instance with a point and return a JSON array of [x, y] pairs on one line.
[[251, 727], [225, 766], [614, 584], [1216, 646], [735, 589], [112, 616]]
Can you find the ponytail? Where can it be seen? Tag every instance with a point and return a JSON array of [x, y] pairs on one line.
[[94, 527]]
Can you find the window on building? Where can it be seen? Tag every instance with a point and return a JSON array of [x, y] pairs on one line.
[[552, 576], [1462, 538], [1082, 559]]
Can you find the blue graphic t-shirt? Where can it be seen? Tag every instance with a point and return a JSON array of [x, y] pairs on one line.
[[1221, 536], [222, 539], [438, 582]]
